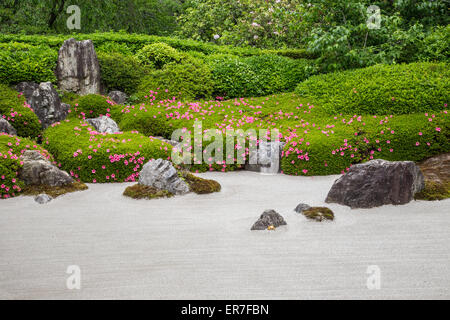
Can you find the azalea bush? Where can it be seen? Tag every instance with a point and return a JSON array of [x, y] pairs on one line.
[[14, 109], [11, 148], [93, 157], [93, 105], [382, 89]]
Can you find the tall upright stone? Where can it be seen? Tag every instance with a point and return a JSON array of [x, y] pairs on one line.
[[78, 69]]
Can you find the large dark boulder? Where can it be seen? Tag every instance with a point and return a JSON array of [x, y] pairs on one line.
[[6, 127], [162, 175], [78, 69], [37, 170], [45, 102], [269, 219], [376, 183]]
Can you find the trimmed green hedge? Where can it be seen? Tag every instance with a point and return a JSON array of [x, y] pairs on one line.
[[11, 148], [382, 89], [96, 158], [14, 108], [23, 62], [92, 106], [120, 72], [135, 42], [257, 75]]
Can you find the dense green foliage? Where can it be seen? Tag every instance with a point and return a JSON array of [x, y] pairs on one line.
[[382, 89], [93, 106], [14, 109], [22, 62], [120, 72], [49, 16], [94, 157], [258, 75], [157, 55]]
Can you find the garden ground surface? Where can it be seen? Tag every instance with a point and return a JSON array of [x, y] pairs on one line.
[[201, 247]]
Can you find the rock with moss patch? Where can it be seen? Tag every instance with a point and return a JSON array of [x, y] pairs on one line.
[[436, 171], [163, 176], [139, 191], [318, 213], [267, 219], [199, 185], [37, 170], [376, 183]]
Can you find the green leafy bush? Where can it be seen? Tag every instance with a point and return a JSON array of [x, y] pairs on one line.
[[93, 105], [120, 72], [11, 148], [188, 80], [382, 89], [436, 45], [23, 62], [257, 75], [157, 55], [94, 157], [14, 108]]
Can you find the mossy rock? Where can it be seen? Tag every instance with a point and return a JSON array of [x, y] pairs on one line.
[[199, 185], [319, 213], [139, 191], [434, 191], [54, 192]]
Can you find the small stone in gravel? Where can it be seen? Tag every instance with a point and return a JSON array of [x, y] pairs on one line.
[[302, 207], [43, 198], [270, 218]]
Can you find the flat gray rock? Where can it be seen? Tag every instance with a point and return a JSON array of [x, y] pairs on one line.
[[43, 198], [37, 170], [104, 124], [162, 175], [376, 183], [267, 219]]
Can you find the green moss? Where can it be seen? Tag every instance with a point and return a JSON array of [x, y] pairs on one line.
[[139, 191], [434, 191], [54, 192], [200, 185], [319, 214]]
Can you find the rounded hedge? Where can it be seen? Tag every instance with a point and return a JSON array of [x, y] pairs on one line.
[[14, 108], [93, 157], [120, 72], [11, 148], [188, 80], [93, 105], [157, 55], [382, 89]]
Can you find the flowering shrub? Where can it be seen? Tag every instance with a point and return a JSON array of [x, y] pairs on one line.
[[382, 89], [93, 106], [93, 157], [14, 108], [11, 148]]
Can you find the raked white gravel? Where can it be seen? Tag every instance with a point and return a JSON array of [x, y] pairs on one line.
[[201, 247]]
